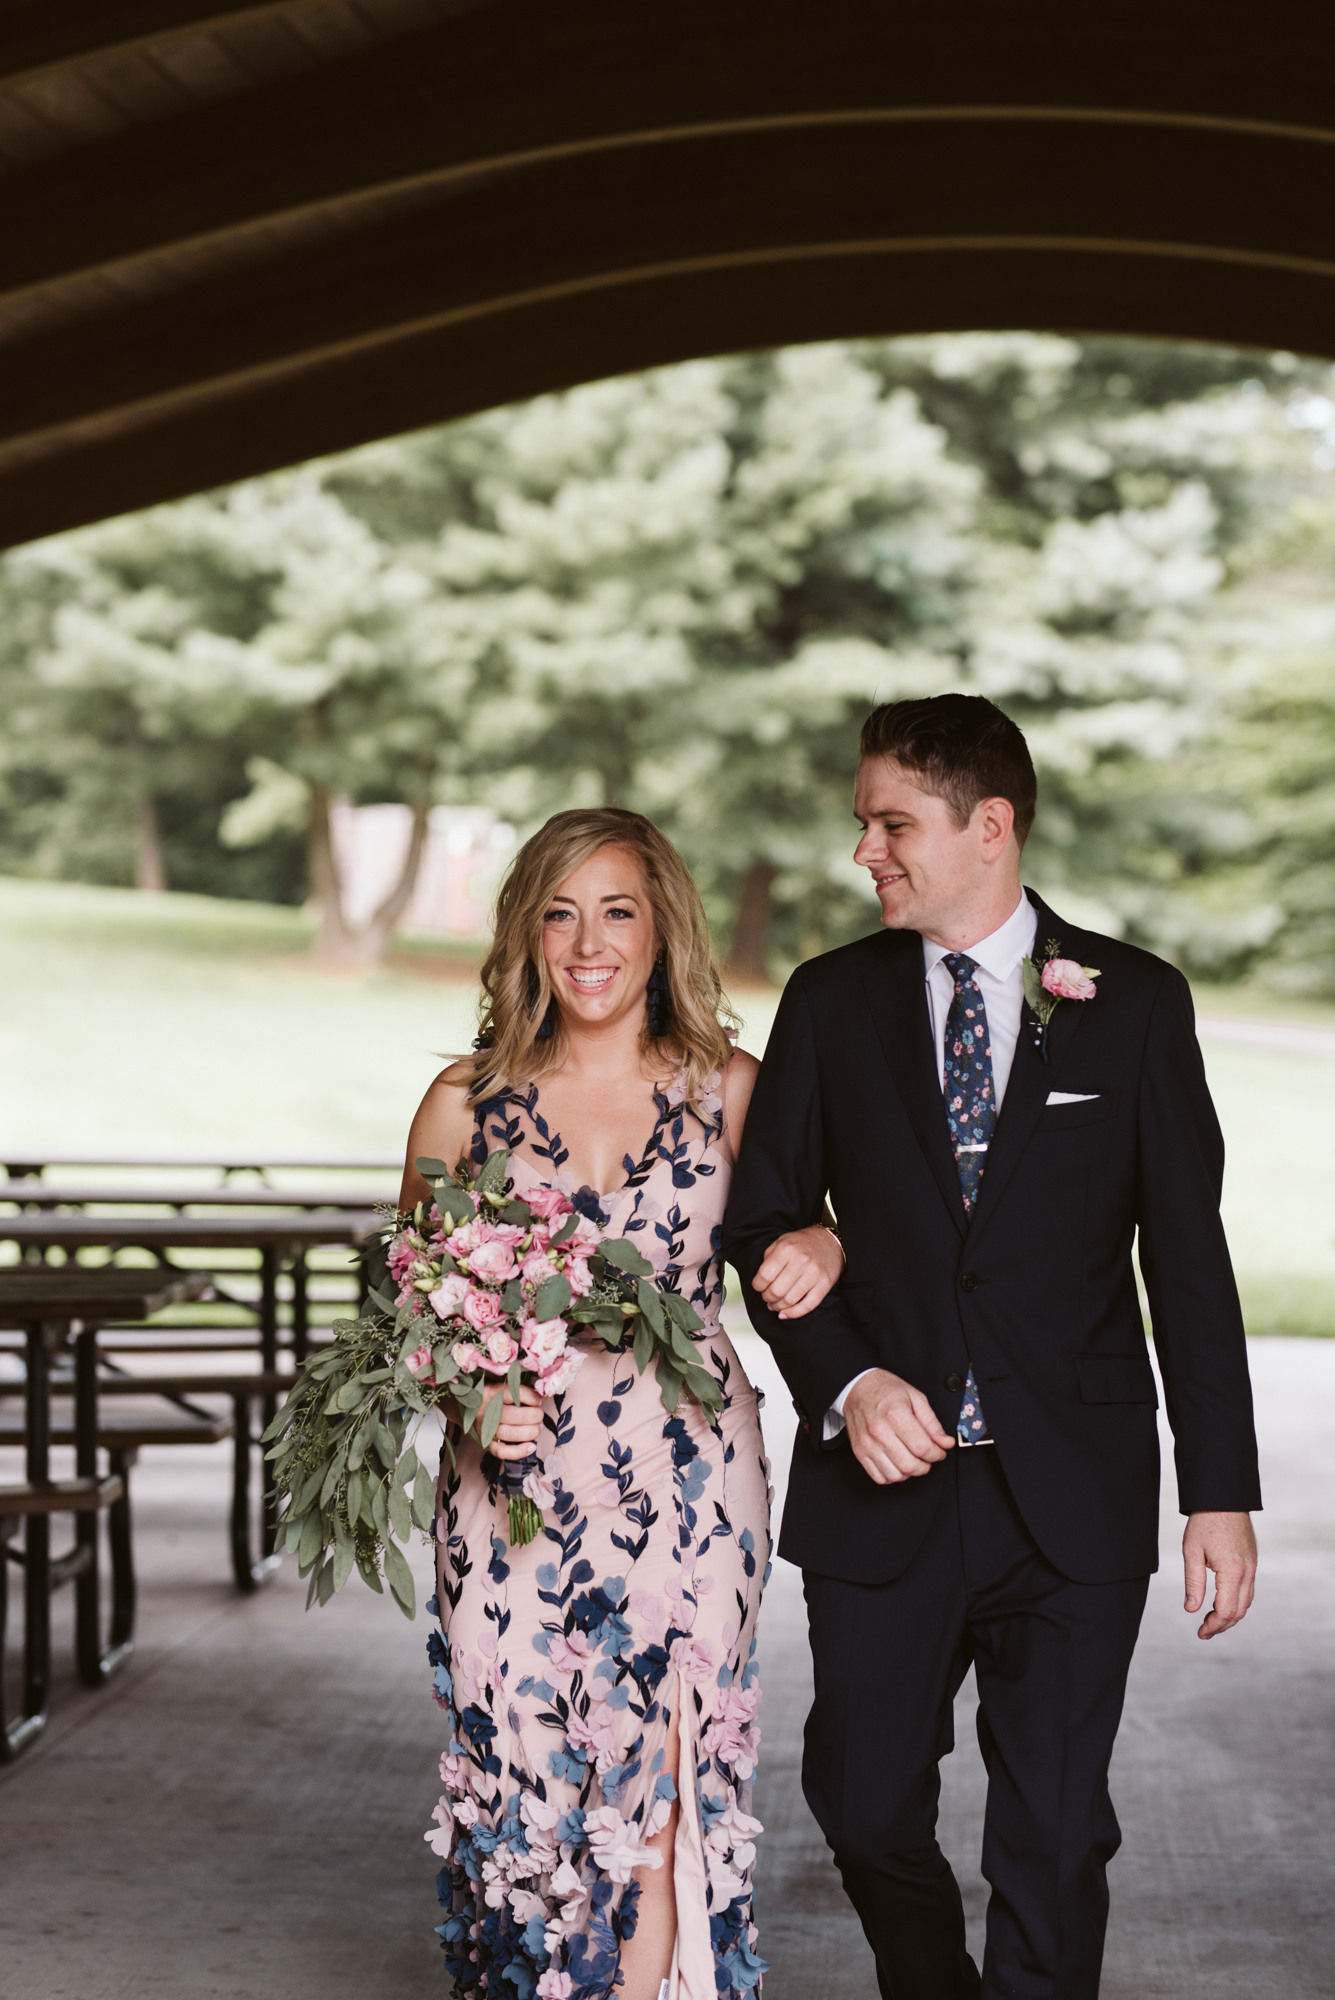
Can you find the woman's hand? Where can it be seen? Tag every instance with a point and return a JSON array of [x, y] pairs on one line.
[[521, 1422], [799, 1269]]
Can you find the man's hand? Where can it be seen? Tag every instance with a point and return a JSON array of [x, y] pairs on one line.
[[893, 1429], [1224, 1543], [799, 1269]]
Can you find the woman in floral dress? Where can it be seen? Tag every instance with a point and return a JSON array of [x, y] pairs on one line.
[[599, 1686]]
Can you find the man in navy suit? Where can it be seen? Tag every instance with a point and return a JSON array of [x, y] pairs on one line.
[[998, 1104]]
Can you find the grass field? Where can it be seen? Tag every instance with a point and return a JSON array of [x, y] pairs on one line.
[[134, 1024]]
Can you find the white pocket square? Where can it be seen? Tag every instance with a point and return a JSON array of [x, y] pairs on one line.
[[1072, 1096]]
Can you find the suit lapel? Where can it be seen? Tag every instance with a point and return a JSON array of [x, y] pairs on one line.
[[1031, 1078], [897, 995]]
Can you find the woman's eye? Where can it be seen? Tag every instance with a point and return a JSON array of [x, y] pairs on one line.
[[629, 915], [556, 916]]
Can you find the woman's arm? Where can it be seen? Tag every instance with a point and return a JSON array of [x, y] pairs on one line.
[[442, 1129], [803, 1265]]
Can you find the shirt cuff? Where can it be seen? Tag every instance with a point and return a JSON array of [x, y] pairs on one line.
[[834, 1416]]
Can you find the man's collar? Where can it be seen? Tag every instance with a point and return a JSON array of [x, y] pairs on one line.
[[998, 954]]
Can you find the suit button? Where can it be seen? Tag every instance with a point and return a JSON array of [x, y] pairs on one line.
[[954, 1382], [968, 1282]]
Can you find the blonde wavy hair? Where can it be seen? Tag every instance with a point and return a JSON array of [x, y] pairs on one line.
[[516, 991]]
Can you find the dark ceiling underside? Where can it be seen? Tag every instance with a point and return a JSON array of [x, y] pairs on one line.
[[236, 237]]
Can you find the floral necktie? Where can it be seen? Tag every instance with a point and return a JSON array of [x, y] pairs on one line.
[[971, 1113]]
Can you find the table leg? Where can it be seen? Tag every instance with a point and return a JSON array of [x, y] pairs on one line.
[[269, 1361], [301, 1310], [36, 1556], [97, 1663], [249, 1573]]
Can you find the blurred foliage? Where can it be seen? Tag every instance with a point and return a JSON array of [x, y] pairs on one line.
[[681, 591]]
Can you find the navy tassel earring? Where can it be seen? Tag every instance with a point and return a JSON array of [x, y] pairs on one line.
[[547, 1026], [659, 996]]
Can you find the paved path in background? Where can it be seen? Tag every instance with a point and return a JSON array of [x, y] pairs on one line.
[[241, 1813]]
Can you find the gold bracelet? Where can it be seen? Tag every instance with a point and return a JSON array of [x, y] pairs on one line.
[[839, 1240]]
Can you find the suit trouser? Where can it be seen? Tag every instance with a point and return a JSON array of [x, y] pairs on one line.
[[1051, 1659]]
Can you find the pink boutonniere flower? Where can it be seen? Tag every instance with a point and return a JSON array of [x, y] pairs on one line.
[[1050, 980]]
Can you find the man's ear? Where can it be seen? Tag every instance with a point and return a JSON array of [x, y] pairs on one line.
[[995, 820]]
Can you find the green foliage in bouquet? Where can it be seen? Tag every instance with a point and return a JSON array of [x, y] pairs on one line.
[[341, 1450]]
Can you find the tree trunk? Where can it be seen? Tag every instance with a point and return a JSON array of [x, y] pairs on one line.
[[748, 958], [335, 943], [375, 938], [149, 872]]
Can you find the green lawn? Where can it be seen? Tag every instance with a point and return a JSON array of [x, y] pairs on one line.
[[133, 1024]]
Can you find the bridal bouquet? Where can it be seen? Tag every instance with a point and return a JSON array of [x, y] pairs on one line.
[[485, 1287]]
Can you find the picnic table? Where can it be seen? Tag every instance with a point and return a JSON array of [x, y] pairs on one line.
[[276, 1237], [34, 1193], [252, 1163], [47, 1305]]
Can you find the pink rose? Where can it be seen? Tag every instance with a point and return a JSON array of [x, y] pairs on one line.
[[463, 1241], [583, 1239], [419, 1360], [499, 1350], [449, 1295], [508, 1233], [482, 1309], [549, 1202], [579, 1277], [557, 1378], [537, 1267], [466, 1356], [493, 1261], [543, 1341], [1066, 980], [402, 1255]]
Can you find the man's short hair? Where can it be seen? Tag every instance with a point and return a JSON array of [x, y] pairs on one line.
[[960, 747]]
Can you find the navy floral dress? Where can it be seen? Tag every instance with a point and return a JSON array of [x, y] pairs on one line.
[[559, 1666]]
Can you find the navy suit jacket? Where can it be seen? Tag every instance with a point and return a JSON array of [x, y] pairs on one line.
[[1036, 1290]]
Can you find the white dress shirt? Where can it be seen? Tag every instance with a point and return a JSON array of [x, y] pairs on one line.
[[1001, 982]]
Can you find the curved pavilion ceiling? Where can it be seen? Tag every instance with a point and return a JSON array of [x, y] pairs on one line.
[[234, 237]]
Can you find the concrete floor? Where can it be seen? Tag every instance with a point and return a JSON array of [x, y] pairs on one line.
[[240, 1814]]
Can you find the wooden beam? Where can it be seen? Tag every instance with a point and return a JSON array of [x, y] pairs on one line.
[[513, 82], [859, 191], [429, 377], [40, 34]]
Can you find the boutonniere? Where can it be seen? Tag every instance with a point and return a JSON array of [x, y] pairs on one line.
[[1050, 980]]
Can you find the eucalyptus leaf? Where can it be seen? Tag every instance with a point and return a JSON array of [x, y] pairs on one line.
[[517, 1213], [490, 1422], [514, 1380], [619, 1251], [1033, 984], [400, 1579], [406, 1469], [567, 1229], [651, 1305], [433, 1170], [669, 1384], [387, 1448], [325, 1587], [552, 1297], [643, 1346], [310, 1544], [495, 1172], [354, 1495], [370, 1576], [400, 1514], [444, 1365], [345, 1555], [424, 1500]]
